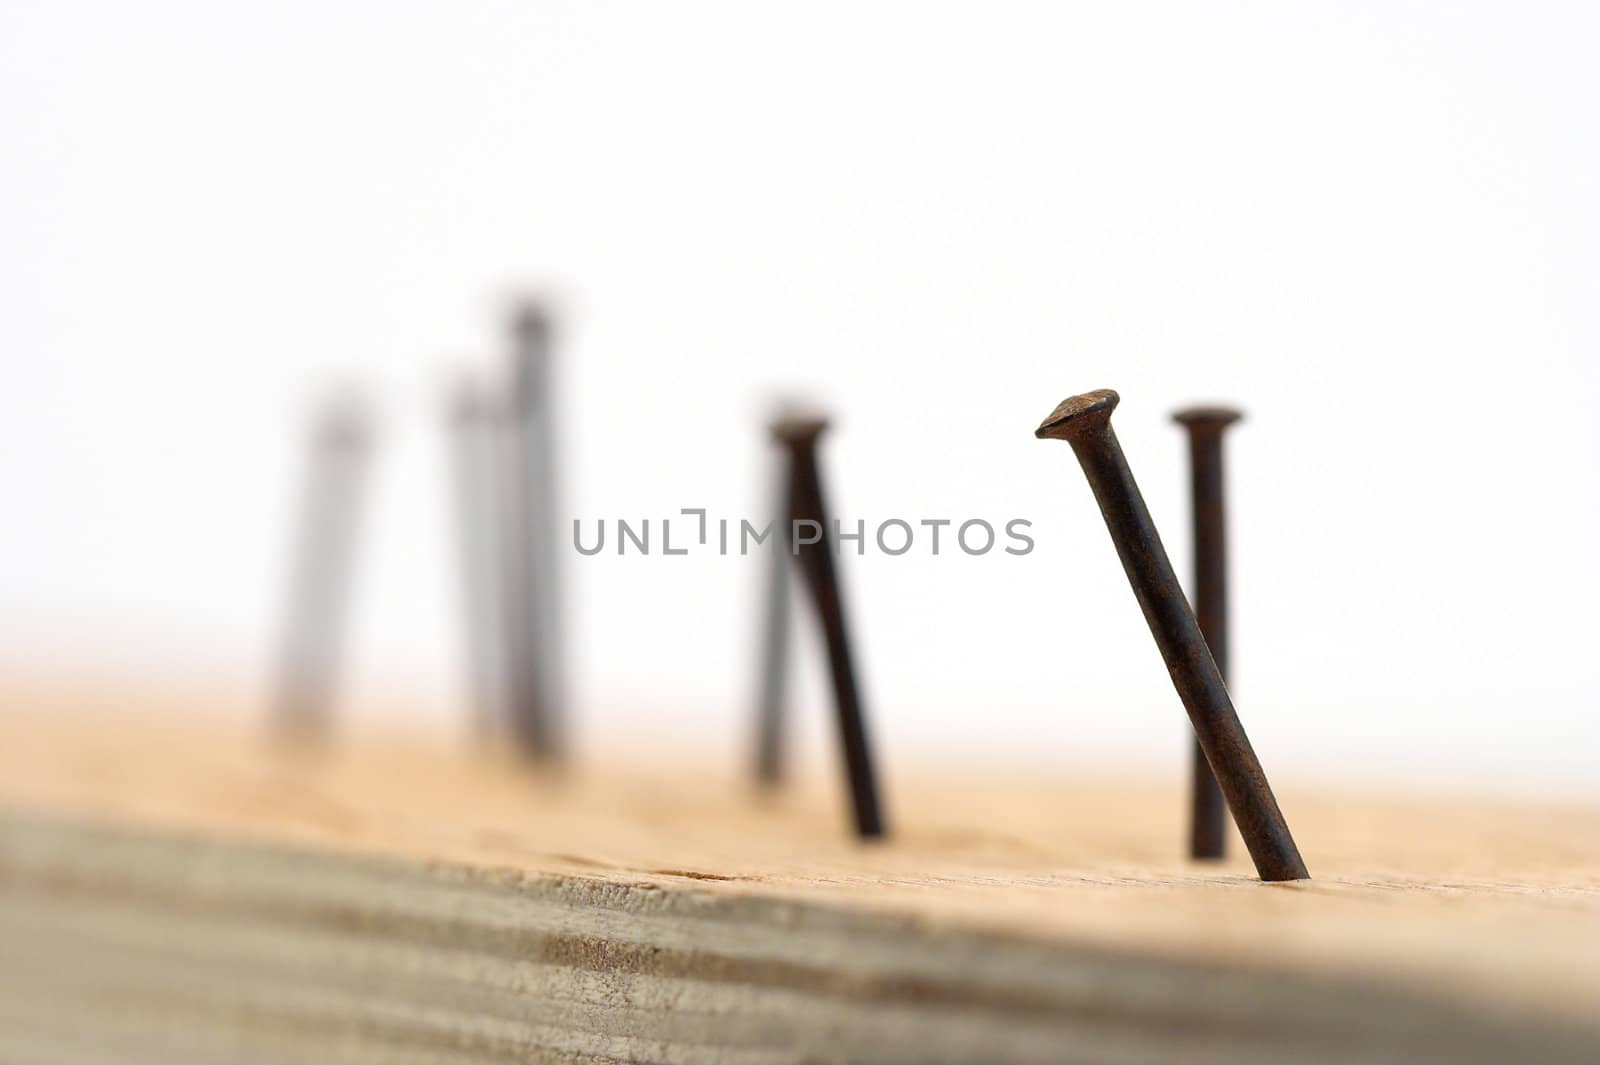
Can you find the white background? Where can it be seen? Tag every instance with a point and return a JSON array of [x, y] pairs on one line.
[[1376, 227]]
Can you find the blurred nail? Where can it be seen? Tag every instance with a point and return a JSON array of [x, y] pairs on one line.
[[531, 605], [773, 671], [799, 436], [1207, 835], [323, 568], [472, 428]]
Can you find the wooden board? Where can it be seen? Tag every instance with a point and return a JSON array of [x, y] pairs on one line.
[[177, 893]]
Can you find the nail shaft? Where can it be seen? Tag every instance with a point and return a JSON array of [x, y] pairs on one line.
[[323, 570], [473, 425], [1205, 425], [530, 601], [1085, 422], [773, 675], [816, 559]]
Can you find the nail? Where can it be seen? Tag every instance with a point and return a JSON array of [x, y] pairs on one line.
[[322, 570], [1085, 423], [472, 426], [798, 435], [1207, 838], [531, 601], [773, 670]]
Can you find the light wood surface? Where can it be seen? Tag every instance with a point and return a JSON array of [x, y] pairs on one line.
[[210, 896]]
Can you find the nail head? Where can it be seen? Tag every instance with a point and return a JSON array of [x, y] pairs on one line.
[[797, 430], [1207, 417], [1078, 414], [532, 322]]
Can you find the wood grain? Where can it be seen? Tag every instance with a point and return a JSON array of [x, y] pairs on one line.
[[187, 893]]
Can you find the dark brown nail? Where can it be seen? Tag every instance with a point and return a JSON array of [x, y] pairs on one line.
[[1085, 423], [806, 504], [323, 569], [530, 599], [1207, 837]]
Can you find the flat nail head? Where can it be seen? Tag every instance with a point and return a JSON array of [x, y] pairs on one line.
[[1207, 418], [531, 322], [798, 430], [345, 424], [1079, 414]]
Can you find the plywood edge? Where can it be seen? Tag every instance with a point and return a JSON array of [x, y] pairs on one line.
[[271, 952]]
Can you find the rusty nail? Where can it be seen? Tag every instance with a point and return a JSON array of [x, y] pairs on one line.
[[799, 435], [1085, 423], [1205, 426]]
